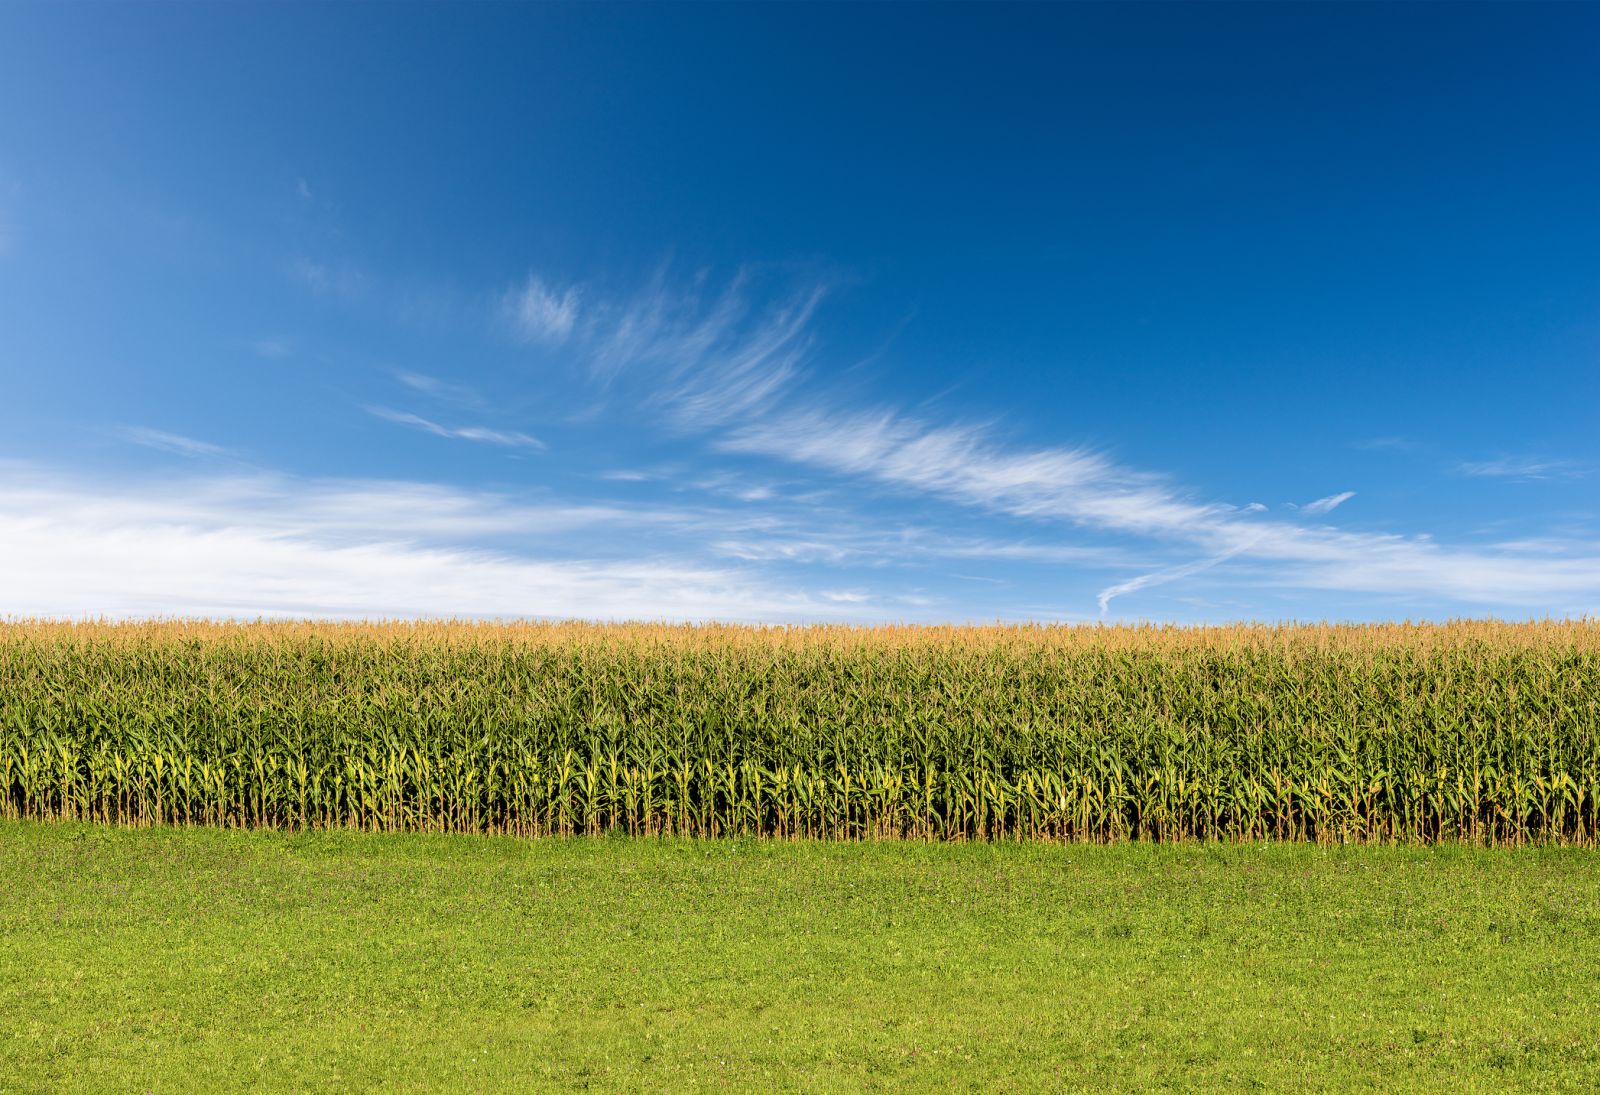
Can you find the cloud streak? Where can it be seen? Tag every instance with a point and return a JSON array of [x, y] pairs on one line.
[[1328, 504], [539, 313], [966, 465], [174, 443], [696, 358], [728, 365], [707, 364], [248, 547], [442, 390], [505, 438], [1161, 577], [729, 372], [1521, 467]]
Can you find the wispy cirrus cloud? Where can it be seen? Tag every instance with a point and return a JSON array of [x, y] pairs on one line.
[[505, 438], [728, 364], [964, 463], [703, 357], [876, 547], [265, 546], [442, 390], [967, 465], [846, 596], [708, 360], [539, 313], [1522, 467], [1165, 575], [1328, 504], [174, 443]]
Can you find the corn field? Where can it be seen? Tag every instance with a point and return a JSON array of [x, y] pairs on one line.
[[1478, 732]]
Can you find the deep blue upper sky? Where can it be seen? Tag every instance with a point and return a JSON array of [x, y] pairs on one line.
[[765, 312]]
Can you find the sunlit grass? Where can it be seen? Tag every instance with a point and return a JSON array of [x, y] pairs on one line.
[[203, 960]]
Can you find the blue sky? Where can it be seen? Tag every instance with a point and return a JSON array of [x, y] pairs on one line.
[[791, 313]]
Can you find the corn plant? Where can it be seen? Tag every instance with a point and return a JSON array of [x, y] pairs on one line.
[[1468, 731]]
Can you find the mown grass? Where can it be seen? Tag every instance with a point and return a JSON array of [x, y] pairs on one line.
[[1472, 731], [194, 960]]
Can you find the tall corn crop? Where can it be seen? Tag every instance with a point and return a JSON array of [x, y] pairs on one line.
[[1482, 732]]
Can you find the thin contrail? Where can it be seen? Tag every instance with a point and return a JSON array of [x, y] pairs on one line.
[[1171, 574]]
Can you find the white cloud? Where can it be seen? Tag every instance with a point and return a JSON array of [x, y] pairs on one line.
[[823, 542], [441, 390], [173, 443], [707, 364], [1521, 467], [1328, 504], [966, 465], [1161, 577], [961, 462], [794, 551], [505, 438], [351, 509], [247, 547], [718, 364], [729, 485], [539, 313], [697, 358]]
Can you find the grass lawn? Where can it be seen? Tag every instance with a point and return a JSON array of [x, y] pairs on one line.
[[199, 961]]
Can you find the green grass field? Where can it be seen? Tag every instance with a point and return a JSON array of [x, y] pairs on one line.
[[212, 960]]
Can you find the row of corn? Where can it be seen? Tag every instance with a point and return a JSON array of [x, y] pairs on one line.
[[1483, 732]]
